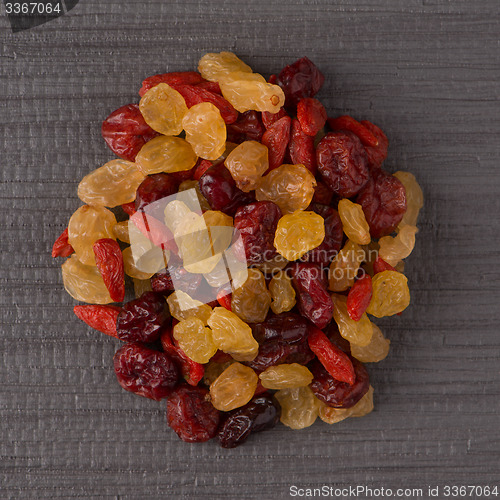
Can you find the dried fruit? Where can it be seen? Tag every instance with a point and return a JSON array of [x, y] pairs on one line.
[[61, 247], [142, 319], [344, 267], [145, 372], [205, 130], [125, 131], [141, 286], [276, 139], [289, 327], [311, 115], [182, 307], [179, 77], [251, 300], [282, 293], [191, 415], [143, 268], [108, 257], [213, 66], [248, 127], [286, 376], [120, 230], [353, 222], [375, 351], [356, 332], [234, 387], [111, 185], [195, 339], [414, 198], [247, 95], [381, 265], [154, 188], [392, 250], [102, 318], [359, 297], [301, 147], [384, 203], [297, 233], [376, 154], [348, 123], [342, 163], [299, 407], [390, 294]]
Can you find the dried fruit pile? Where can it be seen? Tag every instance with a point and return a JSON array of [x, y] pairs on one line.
[[220, 169]]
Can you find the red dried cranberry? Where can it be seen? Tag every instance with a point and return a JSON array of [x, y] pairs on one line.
[[145, 372], [261, 413], [311, 115], [175, 278], [125, 131], [247, 128], [276, 138], [349, 123], [313, 299], [288, 327], [174, 77], [219, 188], [324, 253], [301, 148], [191, 414], [342, 163], [257, 224], [376, 154], [322, 194], [300, 79], [299, 353], [200, 168], [142, 319], [154, 188], [384, 203], [269, 118], [129, 208], [270, 353], [339, 394]]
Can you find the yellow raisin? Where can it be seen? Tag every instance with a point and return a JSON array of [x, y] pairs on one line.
[[83, 282], [86, 226], [299, 407], [286, 376], [356, 332], [234, 387], [213, 370], [113, 184], [174, 212], [375, 351], [163, 109], [282, 293], [394, 249], [144, 267], [182, 307], [205, 130], [186, 185], [344, 267], [195, 339], [297, 233], [246, 95], [166, 154], [364, 405], [272, 266], [291, 187], [141, 286], [232, 335], [354, 222], [371, 254], [251, 300], [390, 294], [414, 198], [213, 65], [332, 415], [120, 231], [247, 163], [234, 76]]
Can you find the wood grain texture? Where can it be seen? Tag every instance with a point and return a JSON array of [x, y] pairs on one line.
[[428, 73]]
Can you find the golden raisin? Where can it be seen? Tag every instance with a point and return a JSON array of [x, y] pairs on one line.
[[246, 95], [120, 230], [251, 300], [356, 332], [414, 198], [392, 250], [282, 293], [141, 286], [375, 351], [182, 307], [195, 339], [390, 294], [286, 376], [247, 163], [354, 222], [299, 407], [213, 65], [344, 267]]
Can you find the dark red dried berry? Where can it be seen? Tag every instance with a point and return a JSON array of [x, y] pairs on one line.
[[339, 394], [219, 188], [301, 148], [311, 115], [200, 168], [129, 208], [324, 253], [154, 230], [313, 299], [376, 154], [381, 265], [276, 138], [211, 86], [100, 317], [145, 372], [333, 334], [261, 413], [154, 188], [257, 223], [288, 327], [359, 297], [300, 79], [247, 128], [224, 299], [175, 278], [349, 123], [175, 77], [323, 195], [342, 163], [270, 354], [125, 131], [142, 319], [61, 247], [191, 414], [269, 118], [384, 203], [335, 361], [109, 260]]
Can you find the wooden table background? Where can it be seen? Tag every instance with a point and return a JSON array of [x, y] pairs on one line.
[[428, 73]]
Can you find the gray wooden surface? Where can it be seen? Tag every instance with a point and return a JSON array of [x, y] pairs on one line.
[[428, 73]]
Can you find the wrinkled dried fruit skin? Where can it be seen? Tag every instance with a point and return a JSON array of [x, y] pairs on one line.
[[354, 222], [344, 267], [142, 319], [113, 184], [313, 299], [299, 407], [359, 297], [286, 376], [311, 115], [175, 77], [339, 394], [390, 294], [282, 293], [129, 208], [375, 351], [163, 109], [219, 188], [269, 118], [384, 203], [141, 286], [234, 387], [195, 340], [348, 123], [84, 283], [256, 223], [99, 317], [125, 131], [108, 257], [298, 233], [252, 299], [335, 361], [62, 248], [356, 332], [393, 250], [329, 248], [163, 282], [215, 65], [322, 194], [301, 148], [248, 127], [276, 138], [300, 79], [376, 154], [253, 94], [191, 415], [342, 163], [182, 307], [414, 198], [261, 413], [381, 265], [120, 230], [289, 327], [154, 188], [145, 372]]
